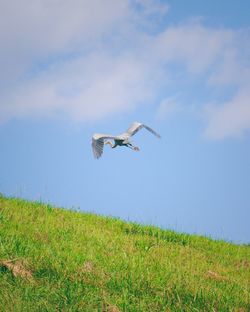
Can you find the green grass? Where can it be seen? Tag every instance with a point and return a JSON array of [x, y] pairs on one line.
[[84, 262]]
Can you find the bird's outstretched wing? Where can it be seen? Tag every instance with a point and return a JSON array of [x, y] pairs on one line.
[[136, 126], [98, 143]]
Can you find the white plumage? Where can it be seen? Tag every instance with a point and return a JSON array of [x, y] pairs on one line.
[[99, 139]]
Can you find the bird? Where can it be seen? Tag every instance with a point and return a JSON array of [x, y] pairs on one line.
[[99, 139]]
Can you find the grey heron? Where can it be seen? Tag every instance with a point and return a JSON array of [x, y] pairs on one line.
[[99, 139]]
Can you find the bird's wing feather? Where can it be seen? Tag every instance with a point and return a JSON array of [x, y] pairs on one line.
[[136, 126], [152, 131], [98, 143]]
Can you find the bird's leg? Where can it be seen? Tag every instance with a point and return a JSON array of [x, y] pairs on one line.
[[134, 148]]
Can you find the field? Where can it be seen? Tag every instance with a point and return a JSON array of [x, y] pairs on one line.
[[54, 259]]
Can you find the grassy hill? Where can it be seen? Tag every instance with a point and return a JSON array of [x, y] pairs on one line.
[[53, 259]]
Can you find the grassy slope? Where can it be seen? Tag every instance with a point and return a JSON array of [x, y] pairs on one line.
[[83, 262]]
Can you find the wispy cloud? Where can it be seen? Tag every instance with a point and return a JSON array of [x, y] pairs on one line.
[[192, 44], [167, 107], [230, 119], [90, 59], [70, 58]]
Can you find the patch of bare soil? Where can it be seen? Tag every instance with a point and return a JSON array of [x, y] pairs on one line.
[[17, 268]]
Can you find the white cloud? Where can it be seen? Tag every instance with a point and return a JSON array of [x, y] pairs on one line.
[[152, 7], [89, 59], [222, 57], [32, 30], [84, 88], [167, 106], [233, 67], [72, 58], [231, 119], [196, 46]]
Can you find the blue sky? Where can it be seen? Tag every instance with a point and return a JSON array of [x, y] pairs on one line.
[[73, 68]]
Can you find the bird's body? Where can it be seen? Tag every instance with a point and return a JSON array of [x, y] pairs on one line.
[[99, 139]]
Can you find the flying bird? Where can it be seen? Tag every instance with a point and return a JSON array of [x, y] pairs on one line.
[[98, 139]]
